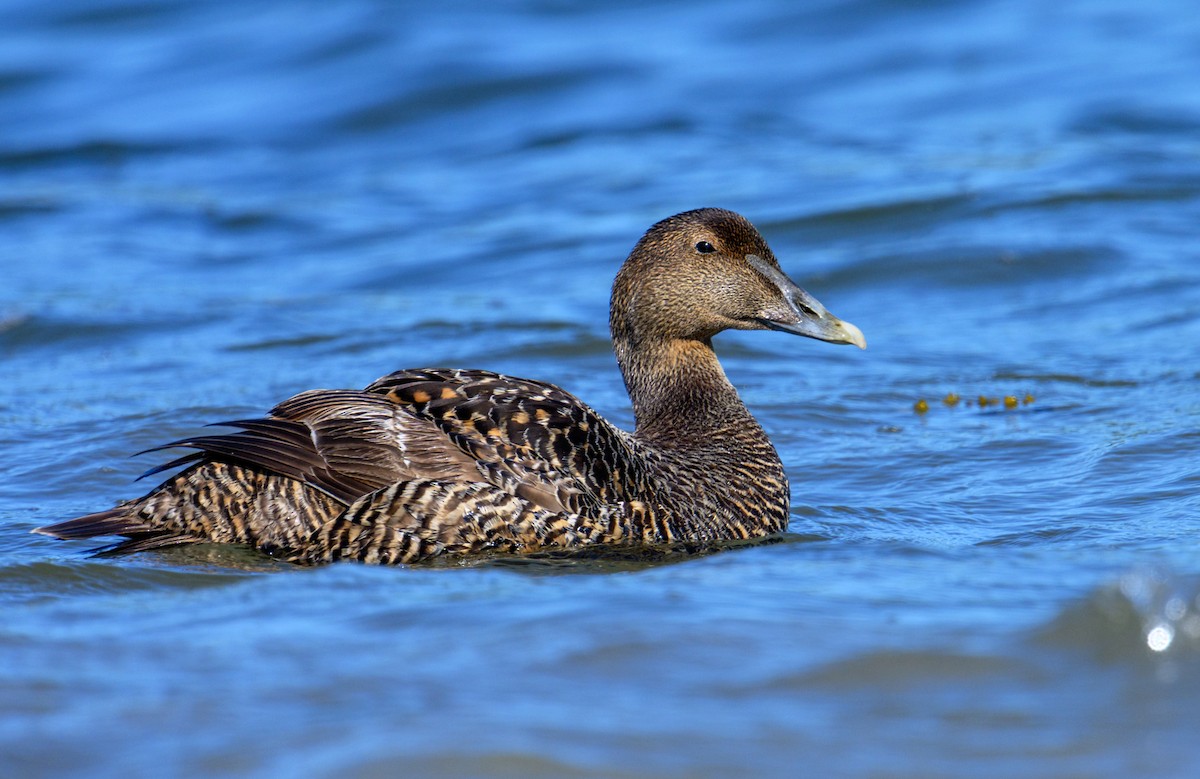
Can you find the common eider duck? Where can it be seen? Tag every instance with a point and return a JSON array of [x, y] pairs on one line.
[[441, 461]]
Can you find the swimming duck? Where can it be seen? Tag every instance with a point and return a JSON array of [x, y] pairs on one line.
[[440, 461]]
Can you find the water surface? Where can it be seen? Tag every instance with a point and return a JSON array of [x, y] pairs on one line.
[[209, 207]]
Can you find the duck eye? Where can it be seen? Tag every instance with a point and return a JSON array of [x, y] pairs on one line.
[[704, 247]]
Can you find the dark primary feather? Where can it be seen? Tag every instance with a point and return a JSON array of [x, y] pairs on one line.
[[446, 461]]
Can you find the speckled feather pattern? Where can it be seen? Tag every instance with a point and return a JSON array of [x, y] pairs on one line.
[[432, 462]]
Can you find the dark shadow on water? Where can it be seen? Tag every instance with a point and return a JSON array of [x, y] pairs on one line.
[[218, 557], [618, 559], [604, 559], [614, 559]]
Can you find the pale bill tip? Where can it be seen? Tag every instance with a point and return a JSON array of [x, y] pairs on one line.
[[852, 334]]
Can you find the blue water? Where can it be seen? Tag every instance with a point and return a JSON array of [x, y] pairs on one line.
[[207, 207]]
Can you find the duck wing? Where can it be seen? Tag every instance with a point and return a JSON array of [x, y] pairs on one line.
[[345, 443], [548, 472], [529, 438], [533, 439]]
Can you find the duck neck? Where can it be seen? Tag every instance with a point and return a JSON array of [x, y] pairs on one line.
[[680, 393]]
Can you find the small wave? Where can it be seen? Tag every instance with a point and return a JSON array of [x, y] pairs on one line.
[[74, 577], [1145, 614]]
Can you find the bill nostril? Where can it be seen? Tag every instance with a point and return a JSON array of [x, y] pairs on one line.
[[804, 308]]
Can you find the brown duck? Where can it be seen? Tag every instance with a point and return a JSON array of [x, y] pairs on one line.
[[454, 462]]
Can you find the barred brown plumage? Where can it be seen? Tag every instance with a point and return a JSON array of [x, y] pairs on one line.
[[446, 461]]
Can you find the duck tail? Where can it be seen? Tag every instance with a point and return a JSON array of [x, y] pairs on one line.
[[120, 521], [114, 522]]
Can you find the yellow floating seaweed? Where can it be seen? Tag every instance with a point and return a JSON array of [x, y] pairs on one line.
[[952, 399]]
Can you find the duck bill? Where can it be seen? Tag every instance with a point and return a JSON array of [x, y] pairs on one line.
[[803, 314], [827, 327]]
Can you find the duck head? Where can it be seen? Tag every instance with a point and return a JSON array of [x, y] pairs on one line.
[[695, 274]]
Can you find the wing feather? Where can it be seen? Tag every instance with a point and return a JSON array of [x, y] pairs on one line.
[[530, 439]]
